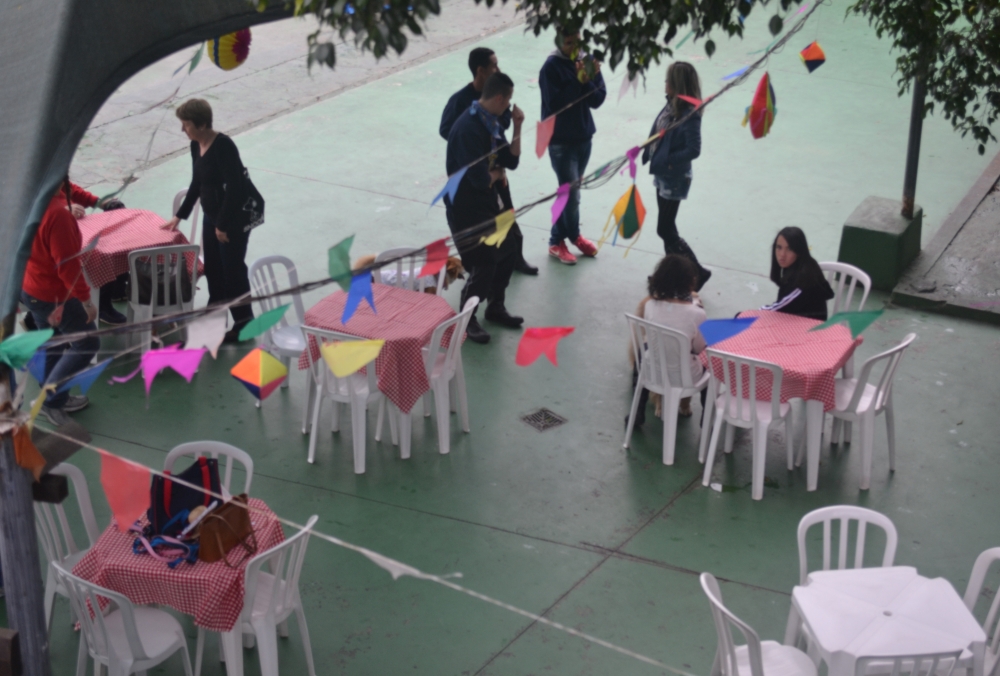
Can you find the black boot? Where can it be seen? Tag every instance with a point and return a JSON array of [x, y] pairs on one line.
[[525, 268], [476, 333], [496, 312], [681, 247]]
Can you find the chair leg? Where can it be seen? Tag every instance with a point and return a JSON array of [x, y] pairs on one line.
[[380, 420], [405, 433], [185, 656], [393, 423], [199, 651], [867, 424], [287, 361], [712, 445], [890, 428], [847, 432], [50, 597], [359, 424], [458, 390], [790, 439], [317, 405], [835, 431], [335, 417], [267, 648], [81, 656], [452, 399], [441, 408], [672, 401], [759, 457], [706, 424], [283, 629], [300, 619], [427, 404], [632, 413], [730, 434]]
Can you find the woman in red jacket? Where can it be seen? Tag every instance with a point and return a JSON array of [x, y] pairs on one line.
[[57, 296]]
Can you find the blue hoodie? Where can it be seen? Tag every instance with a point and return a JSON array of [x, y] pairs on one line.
[[560, 87]]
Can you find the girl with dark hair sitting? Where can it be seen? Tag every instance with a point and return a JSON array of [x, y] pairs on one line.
[[802, 288], [672, 302]]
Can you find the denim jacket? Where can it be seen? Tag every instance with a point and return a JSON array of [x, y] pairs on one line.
[[671, 162]]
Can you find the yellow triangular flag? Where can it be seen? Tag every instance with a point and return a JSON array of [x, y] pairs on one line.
[[346, 358], [36, 405], [504, 223]]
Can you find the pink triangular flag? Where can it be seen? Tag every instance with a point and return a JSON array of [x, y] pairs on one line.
[[632, 154], [185, 362], [562, 199], [126, 485], [543, 134], [437, 257], [539, 341]]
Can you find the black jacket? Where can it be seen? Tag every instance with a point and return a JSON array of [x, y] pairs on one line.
[[809, 301], [459, 103], [560, 87], [211, 173]]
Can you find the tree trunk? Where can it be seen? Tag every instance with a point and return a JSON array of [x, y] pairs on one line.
[[913, 147]]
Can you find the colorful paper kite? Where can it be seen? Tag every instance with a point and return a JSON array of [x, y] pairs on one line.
[[813, 56], [538, 341], [230, 50], [260, 372], [543, 134], [761, 111], [629, 213]]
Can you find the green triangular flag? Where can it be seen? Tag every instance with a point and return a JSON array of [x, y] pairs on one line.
[[17, 350], [259, 325], [857, 321], [340, 262], [196, 58]]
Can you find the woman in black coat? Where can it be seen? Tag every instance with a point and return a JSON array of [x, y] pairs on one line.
[[802, 288]]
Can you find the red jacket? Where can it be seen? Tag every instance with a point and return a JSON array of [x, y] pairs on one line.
[[57, 239], [80, 196]]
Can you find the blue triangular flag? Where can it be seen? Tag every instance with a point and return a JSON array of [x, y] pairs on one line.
[[36, 366], [85, 378], [735, 73], [717, 330], [451, 187], [361, 288]]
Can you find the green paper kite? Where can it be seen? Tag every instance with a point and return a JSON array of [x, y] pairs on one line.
[[259, 325], [16, 351], [340, 262], [857, 321]]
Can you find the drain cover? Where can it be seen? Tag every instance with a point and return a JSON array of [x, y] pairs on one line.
[[543, 419]]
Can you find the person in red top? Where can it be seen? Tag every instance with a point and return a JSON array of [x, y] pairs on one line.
[[57, 296]]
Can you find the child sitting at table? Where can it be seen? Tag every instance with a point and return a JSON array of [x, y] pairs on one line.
[[673, 303], [802, 288]]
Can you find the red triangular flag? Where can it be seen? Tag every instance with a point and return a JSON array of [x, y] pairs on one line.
[[543, 134], [126, 486], [538, 341], [690, 99], [437, 257]]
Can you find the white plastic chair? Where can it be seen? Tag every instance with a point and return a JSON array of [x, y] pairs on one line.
[[991, 625], [228, 457], [126, 639], [407, 270], [170, 257], [56, 537], [932, 664], [359, 390], [844, 279], [844, 515], [664, 356], [284, 339], [195, 212], [863, 398], [755, 657], [749, 413]]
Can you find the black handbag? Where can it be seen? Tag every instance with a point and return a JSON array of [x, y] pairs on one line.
[[169, 499], [249, 210], [177, 265]]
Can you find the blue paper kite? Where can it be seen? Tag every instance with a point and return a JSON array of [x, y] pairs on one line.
[[361, 288], [85, 378], [451, 187], [717, 330]]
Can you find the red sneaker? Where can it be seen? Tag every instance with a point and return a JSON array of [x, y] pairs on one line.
[[562, 253], [586, 247]]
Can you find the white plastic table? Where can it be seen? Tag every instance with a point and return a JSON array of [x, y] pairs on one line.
[[883, 612]]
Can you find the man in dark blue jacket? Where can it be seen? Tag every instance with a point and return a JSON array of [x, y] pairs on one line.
[[482, 63], [477, 141], [569, 77]]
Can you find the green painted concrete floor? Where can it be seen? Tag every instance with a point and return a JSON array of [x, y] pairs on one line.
[[566, 523]]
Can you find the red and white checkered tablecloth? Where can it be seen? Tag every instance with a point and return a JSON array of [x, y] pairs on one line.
[[122, 231], [210, 592], [405, 320], [809, 361]]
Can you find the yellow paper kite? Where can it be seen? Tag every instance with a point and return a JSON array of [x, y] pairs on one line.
[[504, 223], [347, 357]]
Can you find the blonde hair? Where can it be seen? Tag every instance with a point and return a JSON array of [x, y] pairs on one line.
[[682, 79], [196, 111]]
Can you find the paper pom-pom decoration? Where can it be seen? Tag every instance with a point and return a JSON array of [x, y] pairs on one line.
[[761, 111], [813, 56], [260, 373], [231, 50]]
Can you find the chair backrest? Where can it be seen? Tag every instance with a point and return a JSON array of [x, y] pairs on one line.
[[178, 200], [973, 592], [406, 269], [167, 258], [266, 280], [53, 528], [457, 324], [227, 455], [321, 373], [844, 278], [931, 664], [285, 563], [883, 386], [725, 655], [844, 515], [84, 596], [665, 353], [739, 386]]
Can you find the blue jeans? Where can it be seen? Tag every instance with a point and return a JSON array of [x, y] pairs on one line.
[[570, 163], [64, 361]]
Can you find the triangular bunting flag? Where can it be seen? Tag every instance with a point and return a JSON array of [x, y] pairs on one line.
[[690, 99], [632, 154], [562, 199], [857, 321], [259, 325], [17, 350], [717, 330], [184, 362], [36, 405], [84, 379], [451, 187], [543, 134], [339, 262], [36, 366], [437, 258], [207, 332], [26, 454], [361, 289], [349, 356], [504, 223], [126, 486], [260, 372], [538, 341]]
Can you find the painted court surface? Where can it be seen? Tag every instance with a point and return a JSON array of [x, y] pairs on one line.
[[565, 522]]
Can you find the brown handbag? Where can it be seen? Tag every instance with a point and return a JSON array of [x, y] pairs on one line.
[[225, 529]]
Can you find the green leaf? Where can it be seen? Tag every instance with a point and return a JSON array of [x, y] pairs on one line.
[[339, 262], [259, 325], [776, 24], [196, 59], [17, 350], [710, 48]]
